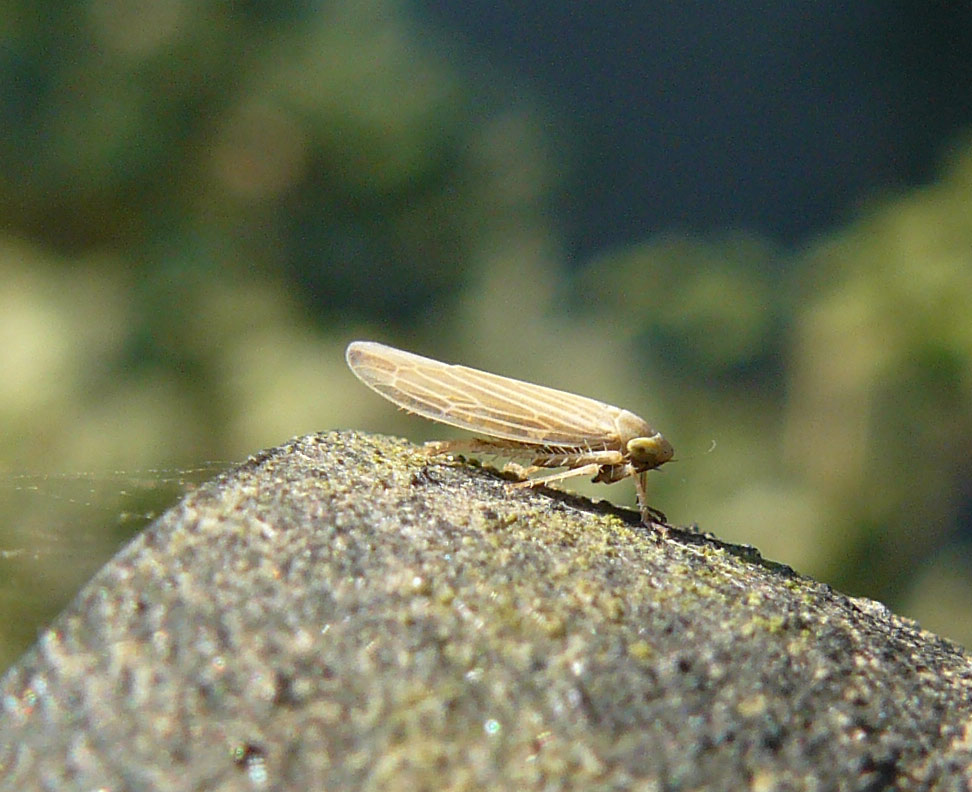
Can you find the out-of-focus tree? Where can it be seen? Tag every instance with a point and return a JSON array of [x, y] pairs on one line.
[[837, 383], [879, 414], [198, 202]]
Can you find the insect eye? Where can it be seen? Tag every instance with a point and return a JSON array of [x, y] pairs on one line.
[[651, 451]]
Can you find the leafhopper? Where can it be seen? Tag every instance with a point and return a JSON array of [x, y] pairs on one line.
[[555, 428]]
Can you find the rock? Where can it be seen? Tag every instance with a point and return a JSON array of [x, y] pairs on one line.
[[340, 613]]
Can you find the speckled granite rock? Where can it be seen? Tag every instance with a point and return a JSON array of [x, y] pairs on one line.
[[336, 614]]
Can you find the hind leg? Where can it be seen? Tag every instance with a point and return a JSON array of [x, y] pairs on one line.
[[583, 470]]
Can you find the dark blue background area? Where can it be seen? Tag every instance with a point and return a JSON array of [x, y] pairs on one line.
[[775, 117]]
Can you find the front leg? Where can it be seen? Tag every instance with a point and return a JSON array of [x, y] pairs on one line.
[[649, 516]]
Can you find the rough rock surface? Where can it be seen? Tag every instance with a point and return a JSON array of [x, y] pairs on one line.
[[338, 613]]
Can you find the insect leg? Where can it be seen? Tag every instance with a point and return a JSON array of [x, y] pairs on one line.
[[478, 446], [649, 516], [584, 470], [574, 459], [471, 446]]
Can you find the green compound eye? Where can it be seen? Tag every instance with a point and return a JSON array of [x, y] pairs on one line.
[[650, 452]]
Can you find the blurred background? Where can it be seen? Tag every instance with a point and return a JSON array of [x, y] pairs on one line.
[[750, 224]]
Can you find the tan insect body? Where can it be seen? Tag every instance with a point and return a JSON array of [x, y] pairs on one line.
[[557, 428]]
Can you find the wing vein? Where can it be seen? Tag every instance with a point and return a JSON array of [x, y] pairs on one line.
[[481, 402]]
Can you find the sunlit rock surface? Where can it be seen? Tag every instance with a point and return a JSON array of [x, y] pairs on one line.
[[338, 613]]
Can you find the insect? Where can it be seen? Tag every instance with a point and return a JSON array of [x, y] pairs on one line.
[[557, 429]]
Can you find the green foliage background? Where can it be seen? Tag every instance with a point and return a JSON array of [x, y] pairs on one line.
[[202, 203]]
